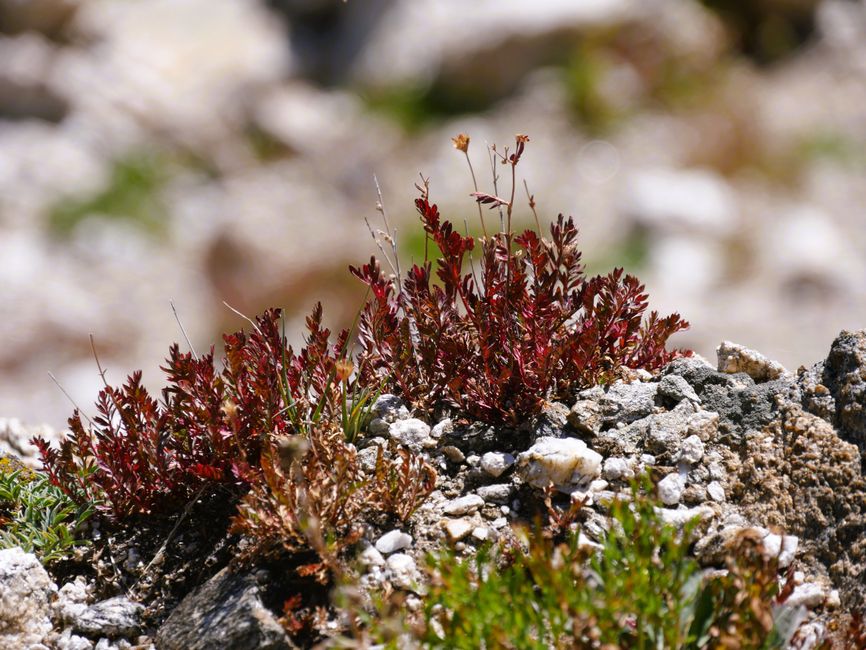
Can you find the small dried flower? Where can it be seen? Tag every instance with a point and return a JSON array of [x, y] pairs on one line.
[[461, 142], [230, 409], [343, 368]]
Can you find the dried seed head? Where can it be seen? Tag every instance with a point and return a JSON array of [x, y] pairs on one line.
[[461, 142], [521, 138], [230, 409], [343, 368]]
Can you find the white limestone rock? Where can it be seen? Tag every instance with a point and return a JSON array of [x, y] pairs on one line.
[[565, 462], [691, 450], [412, 433], [464, 505], [392, 541], [496, 463], [670, 489]]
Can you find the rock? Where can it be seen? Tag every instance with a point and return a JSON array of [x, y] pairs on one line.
[[404, 573], [457, 529], [617, 469], [496, 463], [225, 612], [389, 408], [443, 427], [114, 617], [497, 493], [411, 433], [682, 516], [464, 505], [809, 595], [551, 422], [672, 201], [816, 397], [845, 379], [69, 641], [627, 402], [666, 431], [670, 489], [716, 492], [676, 389], [371, 557], [26, 591], [782, 547], [585, 417], [734, 358], [71, 600], [453, 454], [481, 533], [691, 450], [378, 427], [561, 461], [393, 540]]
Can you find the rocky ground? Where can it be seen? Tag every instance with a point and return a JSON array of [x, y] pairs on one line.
[[744, 445]]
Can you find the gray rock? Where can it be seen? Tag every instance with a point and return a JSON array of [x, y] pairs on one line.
[[496, 463], [627, 402], [497, 493], [809, 595], [845, 379], [585, 417], [389, 408], [114, 617], [26, 591], [226, 612], [441, 428], [457, 529], [404, 572], [676, 389], [716, 492], [411, 433], [817, 398], [551, 422], [734, 358], [393, 540], [691, 450], [617, 469], [463, 505]]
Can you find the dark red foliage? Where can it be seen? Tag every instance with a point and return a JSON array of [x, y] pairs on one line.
[[495, 342], [140, 455]]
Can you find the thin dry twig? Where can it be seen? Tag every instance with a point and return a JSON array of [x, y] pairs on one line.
[[182, 330]]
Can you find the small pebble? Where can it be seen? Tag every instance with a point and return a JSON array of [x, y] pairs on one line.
[[464, 505], [457, 529], [496, 463], [394, 540]]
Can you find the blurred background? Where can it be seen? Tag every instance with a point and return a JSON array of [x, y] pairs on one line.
[[208, 150]]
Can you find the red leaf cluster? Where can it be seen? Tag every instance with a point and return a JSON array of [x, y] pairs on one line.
[[139, 455], [497, 341]]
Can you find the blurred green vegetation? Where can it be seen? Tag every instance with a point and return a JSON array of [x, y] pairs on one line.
[[133, 194]]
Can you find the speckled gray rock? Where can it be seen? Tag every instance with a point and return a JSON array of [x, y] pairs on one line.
[[845, 378], [676, 389], [627, 402], [464, 505], [496, 493], [411, 433], [551, 422], [114, 617], [25, 600], [226, 612], [389, 408], [585, 417]]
